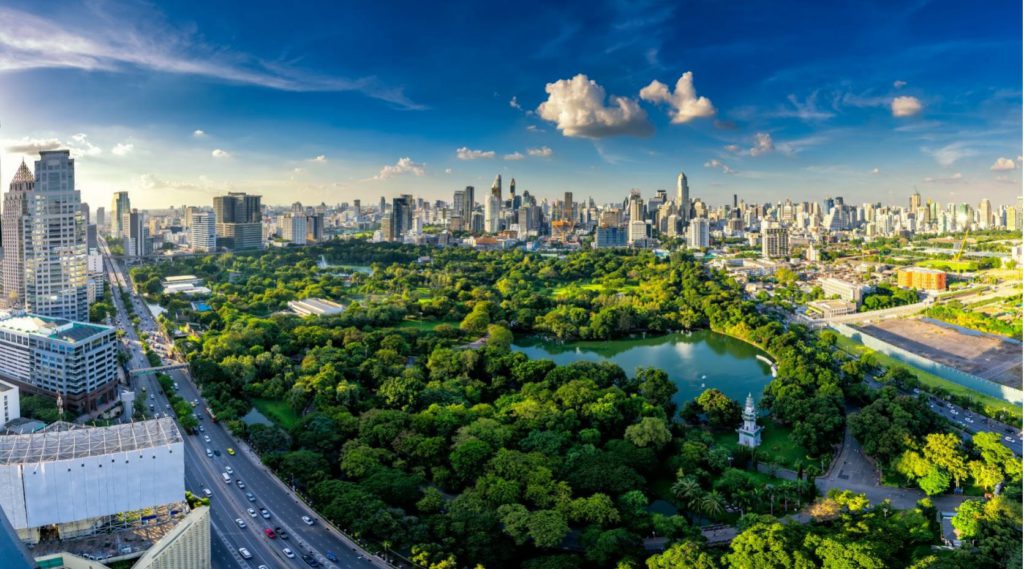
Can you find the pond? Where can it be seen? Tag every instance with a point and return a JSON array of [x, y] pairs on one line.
[[694, 362]]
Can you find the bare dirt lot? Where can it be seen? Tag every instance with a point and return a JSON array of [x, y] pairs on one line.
[[979, 354]]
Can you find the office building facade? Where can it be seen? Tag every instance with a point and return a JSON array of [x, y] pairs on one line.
[[239, 221], [203, 231], [15, 219]]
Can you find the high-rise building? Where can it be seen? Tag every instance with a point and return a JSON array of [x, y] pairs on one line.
[[699, 234], [774, 241], [985, 214], [120, 206], [293, 228], [101, 216], [915, 201], [137, 242], [683, 197], [401, 216], [15, 218], [468, 205], [239, 221], [568, 208], [492, 210], [315, 228], [496, 187], [56, 269], [186, 546], [204, 231]]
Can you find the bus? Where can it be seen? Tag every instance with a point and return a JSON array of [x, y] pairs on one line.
[[210, 413]]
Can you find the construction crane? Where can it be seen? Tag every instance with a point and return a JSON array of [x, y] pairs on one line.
[[963, 245]]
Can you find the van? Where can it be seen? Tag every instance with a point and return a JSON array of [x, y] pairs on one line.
[[227, 477]]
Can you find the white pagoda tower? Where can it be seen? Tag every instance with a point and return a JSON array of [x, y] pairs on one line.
[[750, 432]]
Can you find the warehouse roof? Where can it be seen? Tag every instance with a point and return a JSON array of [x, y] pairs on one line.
[[61, 444]]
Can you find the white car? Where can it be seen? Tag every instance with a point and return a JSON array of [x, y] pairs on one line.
[[1008, 439], [209, 453], [208, 492], [244, 553], [288, 553], [229, 470], [240, 522], [206, 438], [307, 520], [252, 512]]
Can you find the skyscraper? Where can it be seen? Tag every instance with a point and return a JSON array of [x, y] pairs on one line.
[[120, 206], [699, 233], [492, 209], [496, 186], [915, 202], [774, 241], [567, 208], [204, 231], [468, 204], [15, 218], [239, 220], [401, 216], [136, 242], [683, 197], [56, 265]]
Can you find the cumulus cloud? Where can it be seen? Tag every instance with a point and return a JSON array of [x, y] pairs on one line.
[[1002, 164], [465, 153], [218, 153], [199, 133], [514, 103], [515, 156], [577, 107], [763, 144], [684, 103], [717, 164], [542, 152], [403, 166], [906, 106], [899, 84], [321, 158], [34, 145], [80, 145], [875, 171], [122, 149]]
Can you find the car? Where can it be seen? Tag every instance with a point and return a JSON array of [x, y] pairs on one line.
[[240, 483], [209, 452], [968, 419], [288, 553], [240, 522], [250, 496], [331, 556], [201, 429], [216, 452], [252, 512], [207, 492], [310, 560], [206, 438], [265, 513], [1008, 439], [269, 533], [231, 451], [281, 533], [229, 470], [262, 567], [244, 553], [307, 520]]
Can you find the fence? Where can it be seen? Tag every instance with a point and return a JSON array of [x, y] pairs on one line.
[[970, 381]]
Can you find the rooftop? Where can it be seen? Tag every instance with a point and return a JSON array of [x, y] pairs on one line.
[[48, 327], [61, 442]]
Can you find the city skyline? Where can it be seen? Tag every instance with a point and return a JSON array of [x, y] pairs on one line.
[[206, 105]]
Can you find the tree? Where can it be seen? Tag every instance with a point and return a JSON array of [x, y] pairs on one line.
[[766, 545], [967, 520], [686, 554], [943, 450], [656, 387], [722, 412], [547, 528], [650, 431]]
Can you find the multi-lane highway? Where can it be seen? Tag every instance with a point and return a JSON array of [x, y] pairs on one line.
[[229, 502]]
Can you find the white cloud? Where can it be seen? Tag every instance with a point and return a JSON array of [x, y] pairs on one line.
[[798, 145], [122, 149], [515, 156], [82, 146], [199, 133], [514, 103], [899, 84], [949, 154], [954, 179], [448, 170], [1002, 164], [533, 128], [218, 153], [34, 145], [115, 38], [542, 152], [465, 153], [875, 171], [763, 144], [717, 164], [577, 107], [403, 166], [319, 158], [684, 102], [906, 106], [732, 147]]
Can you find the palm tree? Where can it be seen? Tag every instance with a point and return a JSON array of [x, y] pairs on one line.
[[687, 489], [712, 505]]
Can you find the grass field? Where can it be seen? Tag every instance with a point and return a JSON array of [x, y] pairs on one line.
[[949, 265], [991, 404], [564, 290], [425, 325], [776, 445], [277, 411]]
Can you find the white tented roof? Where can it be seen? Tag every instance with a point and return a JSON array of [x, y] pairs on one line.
[[50, 445]]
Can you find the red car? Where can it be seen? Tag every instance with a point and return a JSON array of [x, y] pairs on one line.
[[270, 533]]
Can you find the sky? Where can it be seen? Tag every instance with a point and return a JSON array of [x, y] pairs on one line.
[[335, 101]]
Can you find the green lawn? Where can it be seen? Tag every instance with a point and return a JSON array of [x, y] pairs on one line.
[[776, 445], [990, 404], [425, 325], [277, 411]]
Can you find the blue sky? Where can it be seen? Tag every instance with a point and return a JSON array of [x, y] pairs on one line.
[[335, 101]]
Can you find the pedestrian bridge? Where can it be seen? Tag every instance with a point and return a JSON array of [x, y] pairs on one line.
[[143, 370]]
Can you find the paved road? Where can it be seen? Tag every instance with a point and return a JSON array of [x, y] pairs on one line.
[[228, 501]]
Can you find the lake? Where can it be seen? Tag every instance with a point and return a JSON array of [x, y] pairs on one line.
[[694, 362]]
